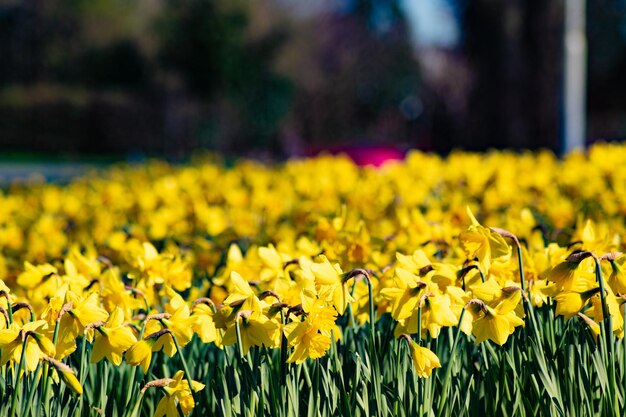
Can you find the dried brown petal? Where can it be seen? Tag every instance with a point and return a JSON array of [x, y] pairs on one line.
[[60, 366], [94, 325], [505, 234], [611, 256], [65, 309], [158, 334], [158, 383], [202, 300], [578, 257], [159, 316]]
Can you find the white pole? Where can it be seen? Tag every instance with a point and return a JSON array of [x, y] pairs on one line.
[[575, 76]]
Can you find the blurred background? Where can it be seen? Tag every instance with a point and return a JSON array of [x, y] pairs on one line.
[[283, 78]]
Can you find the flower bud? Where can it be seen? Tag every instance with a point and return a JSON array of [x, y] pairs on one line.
[[71, 381]]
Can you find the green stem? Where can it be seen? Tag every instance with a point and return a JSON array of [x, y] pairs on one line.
[[130, 388], [420, 396], [372, 313], [307, 376], [185, 368], [46, 366], [347, 411], [83, 365], [605, 310], [448, 371], [624, 363], [83, 370], [241, 359], [520, 265], [316, 389], [528, 305], [9, 311], [32, 388], [376, 385], [528, 309], [283, 352], [135, 412], [608, 334], [17, 377], [183, 361], [104, 374], [419, 325], [351, 319], [239, 342]]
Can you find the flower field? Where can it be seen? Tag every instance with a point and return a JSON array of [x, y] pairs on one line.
[[476, 284]]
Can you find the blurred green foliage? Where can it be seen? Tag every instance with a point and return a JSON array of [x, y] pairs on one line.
[[206, 43], [170, 76]]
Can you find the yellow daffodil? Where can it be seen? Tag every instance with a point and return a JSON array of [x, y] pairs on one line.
[[140, 353], [178, 393], [329, 276], [204, 324], [492, 324], [483, 244], [242, 295], [569, 303], [424, 360], [112, 339], [37, 345], [311, 337], [34, 274], [405, 294], [255, 331]]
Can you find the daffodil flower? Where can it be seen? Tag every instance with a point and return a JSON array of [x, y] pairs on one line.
[[255, 331], [483, 244], [569, 303], [112, 339], [436, 313], [177, 393], [492, 324], [37, 345], [311, 337], [204, 324], [617, 277], [34, 274], [140, 353], [330, 277], [85, 310], [405, 294], [424, 360], [242, 295]]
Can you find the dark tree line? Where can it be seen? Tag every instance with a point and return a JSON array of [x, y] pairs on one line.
[[117, 76]]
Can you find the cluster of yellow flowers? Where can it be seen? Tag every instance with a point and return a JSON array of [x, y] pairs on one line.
[[143, 259]]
